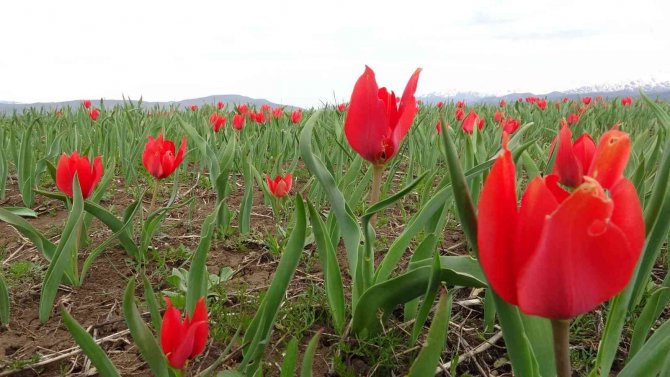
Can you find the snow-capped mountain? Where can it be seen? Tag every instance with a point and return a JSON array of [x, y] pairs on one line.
[[652, 87]]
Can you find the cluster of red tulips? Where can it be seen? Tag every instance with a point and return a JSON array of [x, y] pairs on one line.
[[93, 112]]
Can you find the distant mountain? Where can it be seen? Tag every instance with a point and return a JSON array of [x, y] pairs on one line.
[[228, 99], [652, 88]]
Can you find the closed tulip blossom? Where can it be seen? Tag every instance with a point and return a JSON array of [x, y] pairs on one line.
[[86, 103], [626, 101], [541, 103], [182, 340], [440, 105], [498, 117], [94, 114], [194, 107], [459, 113], [342, 107], [87, 174], [159, 156], [470, 121], [502, 103], [569, 247], [220, 105], [586, 100], [510, 125], [279, 186], [277, 112], [572, 119], [242, 108]]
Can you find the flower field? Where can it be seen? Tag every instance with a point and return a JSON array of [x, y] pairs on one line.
[[378, 237]]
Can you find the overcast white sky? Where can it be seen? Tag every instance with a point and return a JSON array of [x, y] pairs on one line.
[[306, 52]]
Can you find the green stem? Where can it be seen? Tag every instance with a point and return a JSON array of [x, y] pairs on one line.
[[377, 173], [153, 197], [561, 331]]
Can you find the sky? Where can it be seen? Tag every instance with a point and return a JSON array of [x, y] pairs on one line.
[[306, 53]]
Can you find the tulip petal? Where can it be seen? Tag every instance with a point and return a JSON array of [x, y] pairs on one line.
[[180, 153], [96, 175], [171, 328], [496, 226], [202, 332], [64, 175], [365, 126], [628, 215], [582, 259], [611, 158], [406, 111], [584, 149]]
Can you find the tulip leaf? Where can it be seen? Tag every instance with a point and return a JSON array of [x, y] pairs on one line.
[[331, 269], [4, 301], [145, 340], [308, 357], [290, 359], [92, 350], [655, 305], [197, 274], [64, 254], [424, 364], [348, 227], [247, 200], [259, 331], [428, 298], [26, 168], [650, 359], [152, 303], [46, 247]]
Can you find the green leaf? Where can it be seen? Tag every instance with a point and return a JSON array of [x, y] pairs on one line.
[[428, 358], [152, 303], [652, 356], [290, 359], [46, 247], [98, 357], [22, 211], [655, 305], [260, 329], [26, 168], [62, 258], [197, 274], [145, 340], [4, 301], [308, 358]]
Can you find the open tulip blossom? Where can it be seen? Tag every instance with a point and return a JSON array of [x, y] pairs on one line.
[[159, 156], [87, 174], [279, 186], [184, 340], [569, 246]]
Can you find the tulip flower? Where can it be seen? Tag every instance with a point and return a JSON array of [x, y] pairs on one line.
[[184, 340], [565, 99], [88, 175], [510, 125], [220, 105], [459, 113], [572, 119], [342, 107], [260, 117], [374, 125], [265, 108], [279, 186], [502, 103], [470, 121], [242, 108], [440, 105], [438, 127], [586, 100], [296, 116], [159, 156], [460, 104], [194, 107], [498, 117], [94, 114], [541, 103], [563, 252], [217, 121], [626, 101], [277, 112], [86, 103], [238, 121]]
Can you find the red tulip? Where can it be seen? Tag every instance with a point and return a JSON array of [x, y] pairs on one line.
[[626, 101], [469, 122], [88, 175], [220, 105], [498, 117], [184, 340], [557, 104], [460, 104], [586, 100], [561, 253], [280, 186], [599, 98], [217, 121], [86, 103], [265, 108], [259, 117], [510, 125], [459, 113], [572, 119], [374, 125], [242, 108], [342, 107], [238, 121], [296, 116], [438, 127], [277, 112], [502, 103], [159, 156], [581, 110], [531, 99], [541, 103], [565, 99], [440, 105], [194, 107], [94, 114]]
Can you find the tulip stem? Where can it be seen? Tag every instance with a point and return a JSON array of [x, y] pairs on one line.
[[561, 331], [377, 172], [153, 197]]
